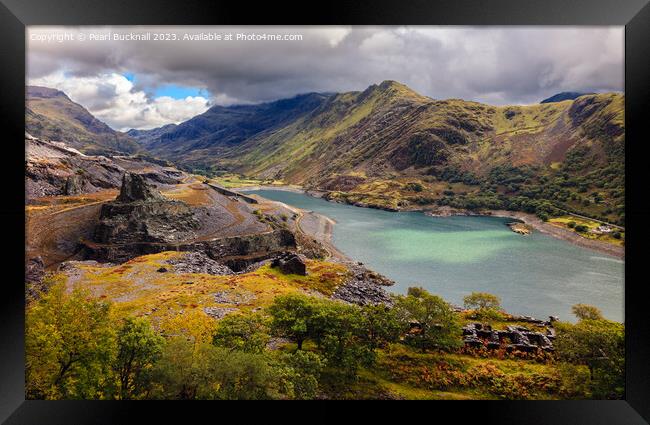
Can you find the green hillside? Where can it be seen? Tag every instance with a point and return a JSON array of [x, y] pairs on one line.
[[51, 115], [390, 147]]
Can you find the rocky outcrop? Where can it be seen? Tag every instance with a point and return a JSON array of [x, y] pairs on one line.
[[53, 168], [290, 263], [142, 214], [520, 228], [135, 188], [198, 262], [74, 185], [364, 287], [512, 338]]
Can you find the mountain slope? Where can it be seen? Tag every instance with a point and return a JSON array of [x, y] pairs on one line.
[[146, 137], [205, 136], [51, 115], [388, 128]]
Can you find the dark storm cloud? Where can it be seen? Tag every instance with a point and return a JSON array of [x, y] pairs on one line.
[[499, 65]]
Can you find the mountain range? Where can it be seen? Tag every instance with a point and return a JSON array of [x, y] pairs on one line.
[[389, 146]]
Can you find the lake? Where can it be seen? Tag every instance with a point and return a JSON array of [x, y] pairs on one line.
[[534, 275]]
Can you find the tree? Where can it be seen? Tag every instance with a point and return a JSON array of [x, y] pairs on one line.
[[586, 312], [581, 228], [194, 325], [482, 301], [600, 345], [247, 332], [290, 316], [429, 320], [301, 373], [139, 346], [381, 325], [190, 371], [69, 346], [339, 332], [486, 306]]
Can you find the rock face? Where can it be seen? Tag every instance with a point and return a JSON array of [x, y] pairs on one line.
[[135, 188], [53, 168], [290, 263], [142, 214]]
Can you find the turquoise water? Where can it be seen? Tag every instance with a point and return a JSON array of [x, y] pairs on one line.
[[534, 275]]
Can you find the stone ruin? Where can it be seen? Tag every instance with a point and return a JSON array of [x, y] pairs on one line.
[[512, 338]]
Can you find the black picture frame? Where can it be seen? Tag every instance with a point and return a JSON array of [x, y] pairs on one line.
[[16, 14]]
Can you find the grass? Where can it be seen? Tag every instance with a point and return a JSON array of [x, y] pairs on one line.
[[407, 373], [564, 221], [397, 194], [236, 180], [136, 287]]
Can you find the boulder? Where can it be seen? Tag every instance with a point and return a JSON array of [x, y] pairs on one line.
[[290, 263]]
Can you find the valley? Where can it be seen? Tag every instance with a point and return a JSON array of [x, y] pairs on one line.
[[179, 227]]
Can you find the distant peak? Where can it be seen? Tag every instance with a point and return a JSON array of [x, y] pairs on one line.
[[393, 89], [565, 95]]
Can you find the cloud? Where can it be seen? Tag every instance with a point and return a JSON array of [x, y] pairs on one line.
[[111, 97], [498, 65]]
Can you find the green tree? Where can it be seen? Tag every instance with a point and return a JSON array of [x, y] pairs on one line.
[[586, 312], [338, 330], [69, 346], [247, 332], [139, 346], [301, 373], [600, 345], [189, 371], [486, 306], [290, 316], [429, 320], [482, 301], [380, 324]]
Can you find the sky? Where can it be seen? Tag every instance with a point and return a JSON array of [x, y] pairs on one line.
[[130, 81]]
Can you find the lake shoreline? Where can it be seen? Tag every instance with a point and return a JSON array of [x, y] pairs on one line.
[[529, 219]]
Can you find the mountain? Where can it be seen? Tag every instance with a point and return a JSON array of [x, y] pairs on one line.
[[391, 147], [565, 95], [206, 136], [51, 115], [146, 137]]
